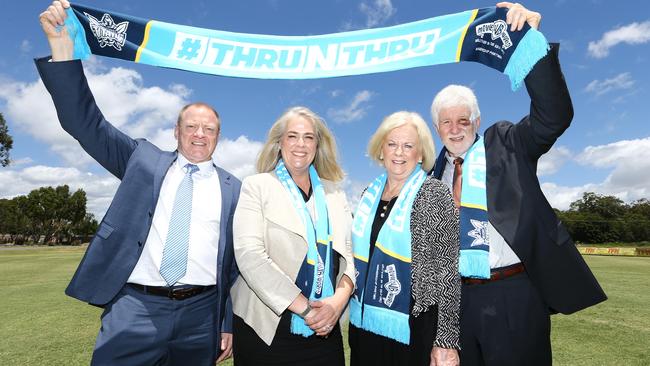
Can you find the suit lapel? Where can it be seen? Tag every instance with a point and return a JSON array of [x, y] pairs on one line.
[[225, 184], [165, 160], [439, 167], [285, 213]]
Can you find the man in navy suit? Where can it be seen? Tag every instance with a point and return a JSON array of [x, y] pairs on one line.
[[161, 263], [534, 267]]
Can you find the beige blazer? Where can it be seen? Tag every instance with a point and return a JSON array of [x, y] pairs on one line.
[[270, 245]]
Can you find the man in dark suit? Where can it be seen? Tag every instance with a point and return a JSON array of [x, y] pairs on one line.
[[534, 267], [161, 264]]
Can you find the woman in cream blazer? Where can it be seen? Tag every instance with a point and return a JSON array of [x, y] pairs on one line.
[[271, 236]]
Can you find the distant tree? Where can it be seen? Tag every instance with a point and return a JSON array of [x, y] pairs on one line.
[[13, 220], [608, 207], [54, 211], [641, 207], [6, 142], [598, 218], [87, 226]]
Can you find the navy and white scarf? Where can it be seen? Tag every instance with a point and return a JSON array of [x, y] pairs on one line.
[[382, 298], [314, 278]]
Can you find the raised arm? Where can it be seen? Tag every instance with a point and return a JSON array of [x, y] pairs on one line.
[[551, 110], [74, 102]]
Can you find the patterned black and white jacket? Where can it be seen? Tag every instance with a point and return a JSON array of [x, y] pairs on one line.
[[434, 259]]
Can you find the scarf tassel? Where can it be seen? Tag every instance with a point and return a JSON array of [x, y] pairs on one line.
[[474, 263], [299, 327], [532, 47], [387, 323]]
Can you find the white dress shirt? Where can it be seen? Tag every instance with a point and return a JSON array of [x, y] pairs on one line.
[[204, 228], [501, 255]]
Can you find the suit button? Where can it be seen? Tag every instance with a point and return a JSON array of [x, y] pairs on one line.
[[139, 243]]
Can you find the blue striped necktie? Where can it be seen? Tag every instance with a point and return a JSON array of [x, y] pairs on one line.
[[174, 260]]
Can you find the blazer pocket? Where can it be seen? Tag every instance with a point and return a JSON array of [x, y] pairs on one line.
[[105, 230]]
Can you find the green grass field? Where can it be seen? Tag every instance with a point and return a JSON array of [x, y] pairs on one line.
[[39, 325]]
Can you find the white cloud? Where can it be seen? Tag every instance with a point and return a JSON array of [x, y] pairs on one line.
[[614, 154], [21, 161], [628, 180], [25, 46], [553, 160], [634, 33], [377, 12], [335, 93], [354, 111], [619, 82], [353, 189], [137, 110], [238, 156]]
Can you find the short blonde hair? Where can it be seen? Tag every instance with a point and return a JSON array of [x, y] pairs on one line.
[[326, 159], [398, 119]]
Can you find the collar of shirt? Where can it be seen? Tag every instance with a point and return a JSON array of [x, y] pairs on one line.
[[206, 168], [450, 159]]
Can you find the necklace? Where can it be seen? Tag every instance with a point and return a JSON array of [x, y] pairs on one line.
[[392, 196], [384, 208]]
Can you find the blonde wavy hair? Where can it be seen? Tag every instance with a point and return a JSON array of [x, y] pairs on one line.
[[326, 158]]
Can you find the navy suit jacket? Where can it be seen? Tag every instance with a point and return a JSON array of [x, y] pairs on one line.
[[518, 209], [141, 167]]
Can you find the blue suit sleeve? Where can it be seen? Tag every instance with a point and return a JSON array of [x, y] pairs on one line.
[[81, 118]]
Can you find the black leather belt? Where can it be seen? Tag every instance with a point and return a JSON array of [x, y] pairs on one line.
[[174, 293], [496, 274]]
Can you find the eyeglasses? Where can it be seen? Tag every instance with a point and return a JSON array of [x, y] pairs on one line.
[[307, 138], [191, 128], [406, 147]]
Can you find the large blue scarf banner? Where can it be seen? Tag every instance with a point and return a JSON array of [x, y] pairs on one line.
[[479, 35]]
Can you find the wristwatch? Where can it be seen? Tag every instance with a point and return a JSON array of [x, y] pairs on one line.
[[305, 312]]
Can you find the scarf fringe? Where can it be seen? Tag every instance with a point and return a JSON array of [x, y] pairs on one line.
[[299, 327], [387, 323], [474, 263], [532, 47], [78, 35]]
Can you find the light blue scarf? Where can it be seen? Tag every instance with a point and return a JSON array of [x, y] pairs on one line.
[[474, 242], [478, 35], [314, 276], [382, 298]]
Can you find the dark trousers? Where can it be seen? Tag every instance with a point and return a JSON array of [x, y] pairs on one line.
[[504, 323], [286, 349], [367, 348], [144, 329]]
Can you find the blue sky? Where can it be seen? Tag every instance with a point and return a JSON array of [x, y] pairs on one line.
[[604, 53]]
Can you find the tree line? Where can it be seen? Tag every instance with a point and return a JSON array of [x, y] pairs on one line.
[[46, 215], [599, 219], [55, 215]]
